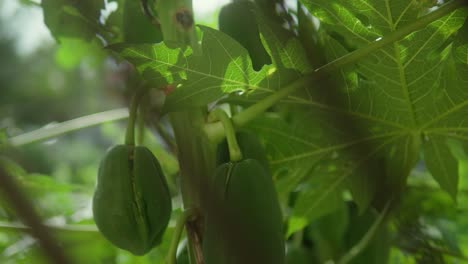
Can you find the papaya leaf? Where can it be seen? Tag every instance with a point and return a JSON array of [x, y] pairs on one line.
[[375, 112], [366, 121]]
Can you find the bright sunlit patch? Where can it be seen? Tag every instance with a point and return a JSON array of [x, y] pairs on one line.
[[110, 8], [207, 6], [271, 71], [30, 19]]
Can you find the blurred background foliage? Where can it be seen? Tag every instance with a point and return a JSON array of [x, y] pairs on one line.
[[43, 83]]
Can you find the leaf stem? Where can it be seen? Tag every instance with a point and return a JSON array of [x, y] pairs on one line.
[[234, 150], [215, 131], [133, 111], [183, 218]]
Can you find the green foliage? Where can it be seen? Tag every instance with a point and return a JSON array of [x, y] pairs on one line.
[[225, 67], [378, 123], [405, 87]]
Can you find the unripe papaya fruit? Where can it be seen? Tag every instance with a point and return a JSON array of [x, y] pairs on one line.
[[249, 145], [237, 19], [131, 203], [245, 223]]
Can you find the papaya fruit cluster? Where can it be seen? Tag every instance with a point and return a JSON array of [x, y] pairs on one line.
[[245, 224]]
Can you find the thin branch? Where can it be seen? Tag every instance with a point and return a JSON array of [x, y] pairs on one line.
[[16, 227], [28, 215], [68, 126], [183, 218]]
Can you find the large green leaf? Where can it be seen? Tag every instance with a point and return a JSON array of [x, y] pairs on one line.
[[410, 89]]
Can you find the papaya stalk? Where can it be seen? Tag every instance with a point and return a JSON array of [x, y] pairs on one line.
[[183, 218], [194, 151], [233, 147], [133, 109]]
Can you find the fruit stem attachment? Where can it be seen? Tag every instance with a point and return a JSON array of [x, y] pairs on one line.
[[132, 116], [214, 131], [183, 218], [234, 150], [132, 109]]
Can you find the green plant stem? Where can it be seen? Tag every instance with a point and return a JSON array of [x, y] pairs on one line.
[[234, 150], [133, 112], [393, 36], [215, 130], [179, 228], [193, 149], [140, 139], [362, 244], [68, 126]]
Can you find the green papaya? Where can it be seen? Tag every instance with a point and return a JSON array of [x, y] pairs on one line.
[[237, 19], [244, 223], [249, 145], [131, 203]]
